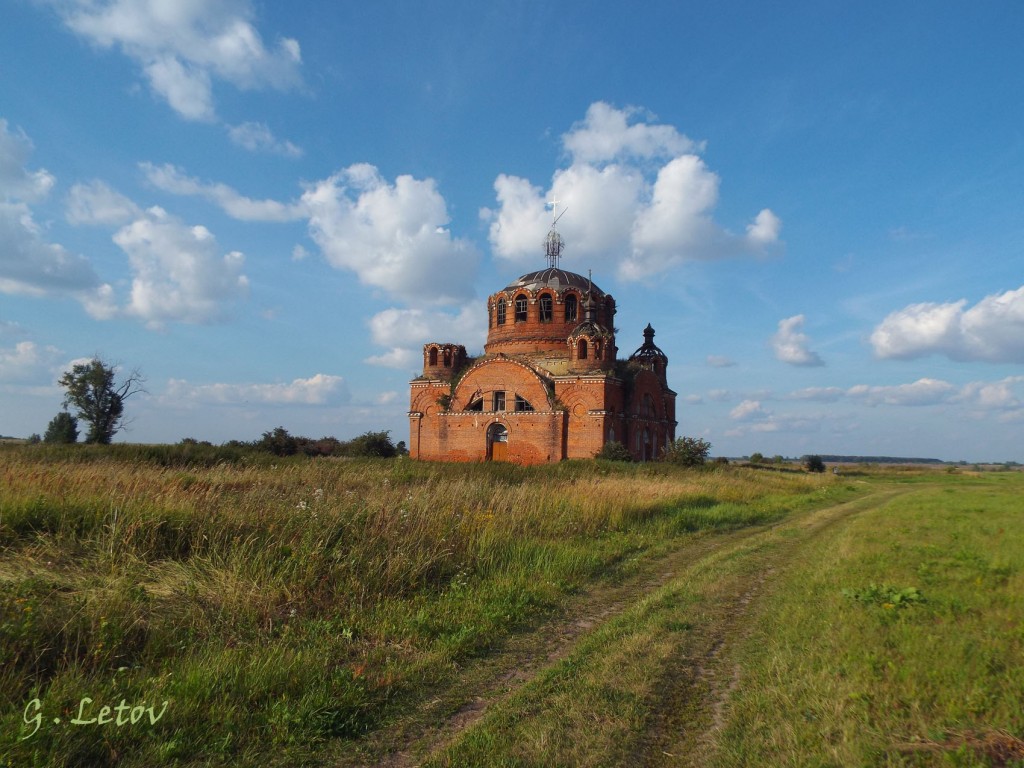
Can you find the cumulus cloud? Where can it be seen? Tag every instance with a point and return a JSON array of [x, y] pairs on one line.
[[257, 137], [753, 419], [990, 331], [182, 46], [790, 344], [393, 236], [320, 389], [641, 201], [178, 274], [1003, 395], [26, 361], [748, 410], [172, 179], [29, 263], [96, 203], [607, 134], [921, 392], [819, 394], [17, 182], [404, 332]]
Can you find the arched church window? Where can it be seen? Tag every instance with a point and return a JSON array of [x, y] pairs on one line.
[[647, 407], [570, 308], [520, 308], [432, 357], [545, 308], [582, 349], [447, 358], [501, 311], [597, 350]]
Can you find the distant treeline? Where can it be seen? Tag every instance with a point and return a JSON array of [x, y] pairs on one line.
[[280, 443], [877, 460]]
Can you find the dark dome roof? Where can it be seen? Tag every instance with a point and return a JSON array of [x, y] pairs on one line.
[[552, 277]]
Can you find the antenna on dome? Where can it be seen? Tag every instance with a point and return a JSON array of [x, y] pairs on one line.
[[553, 243]]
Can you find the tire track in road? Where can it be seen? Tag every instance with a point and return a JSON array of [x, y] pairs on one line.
[[693, 705], [692, 700]]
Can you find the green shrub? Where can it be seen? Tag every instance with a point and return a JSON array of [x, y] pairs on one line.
[[614, 451], [814, 464], [688, 452]]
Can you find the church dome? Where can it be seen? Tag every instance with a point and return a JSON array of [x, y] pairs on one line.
[[554, 278]]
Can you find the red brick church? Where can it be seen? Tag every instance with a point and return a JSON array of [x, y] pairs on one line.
[[549, 385]]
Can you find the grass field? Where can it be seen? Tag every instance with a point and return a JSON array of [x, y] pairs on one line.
[[326, 612]]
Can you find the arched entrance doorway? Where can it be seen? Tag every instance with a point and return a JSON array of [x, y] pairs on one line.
[[497, 443]]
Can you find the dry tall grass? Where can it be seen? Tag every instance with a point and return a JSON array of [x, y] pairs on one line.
[[302, 600]]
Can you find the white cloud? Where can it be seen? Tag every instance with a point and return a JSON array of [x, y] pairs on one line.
[[29, 264], [320, 389], [182, 46], [385, 398], [990, 331], [178, 275], [769, 423], [1005, 394], [96, 203], [606, 134], [748, 410], [184, 86], [393, 236], [790, 344], [173, 180], [638, 197], [17, 183], [26, 361], [257, 137], [921, 392], [819, 394], [405, 331], [401, 358]]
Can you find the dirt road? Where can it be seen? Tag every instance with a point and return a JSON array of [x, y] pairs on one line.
[[668, 631]]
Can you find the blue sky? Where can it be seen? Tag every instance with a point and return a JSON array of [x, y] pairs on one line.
[[268, 208]]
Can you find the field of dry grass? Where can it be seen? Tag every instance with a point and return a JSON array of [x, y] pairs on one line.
[[286, 608]]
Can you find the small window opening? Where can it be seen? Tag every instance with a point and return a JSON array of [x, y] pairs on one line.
[[499, 401], [582, 349], [522, 404], [476, 405], [597, 350], [520, 308], [501, 312], [545, 308], [432, 358], [447, 358], [570, 308]]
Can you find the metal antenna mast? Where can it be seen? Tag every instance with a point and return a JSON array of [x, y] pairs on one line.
[[553, 243]]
